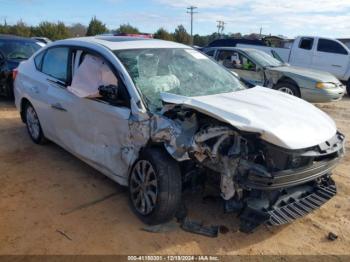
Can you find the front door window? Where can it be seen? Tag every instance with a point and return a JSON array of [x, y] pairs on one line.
[[242, 65]]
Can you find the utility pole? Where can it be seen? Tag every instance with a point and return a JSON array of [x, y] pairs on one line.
[[190, 10], [221, 27], [261, 31]]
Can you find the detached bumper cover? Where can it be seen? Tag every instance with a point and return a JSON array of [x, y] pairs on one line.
[[302, 206], [322, 159], [290, 178], [289, 205], [277, 198]]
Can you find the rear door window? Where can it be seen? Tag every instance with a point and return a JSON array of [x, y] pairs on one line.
[[55, 63], [330, 46], [306, 43]]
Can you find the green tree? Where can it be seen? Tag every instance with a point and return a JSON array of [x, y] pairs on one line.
[[4, 29], [127, 29], [20, 29], [77, 30], [181, 35], [62, 31], [236, 35], [96, 27], [200, 40], [53, 31], [163, 34]]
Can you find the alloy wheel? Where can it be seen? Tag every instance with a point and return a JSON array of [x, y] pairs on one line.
[[32, 122], [286, 90], [144, 187]]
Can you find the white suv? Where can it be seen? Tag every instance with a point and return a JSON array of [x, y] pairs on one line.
[[155, 115]]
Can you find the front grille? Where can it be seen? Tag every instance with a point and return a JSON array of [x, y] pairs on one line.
[[301, 207]]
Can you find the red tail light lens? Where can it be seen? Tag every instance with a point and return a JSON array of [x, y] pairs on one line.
[[14, 74]]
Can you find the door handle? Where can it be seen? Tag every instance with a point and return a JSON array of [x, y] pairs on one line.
[[336, 65], [59, 107]]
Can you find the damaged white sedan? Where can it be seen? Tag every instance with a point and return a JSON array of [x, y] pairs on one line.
[[153, 115]]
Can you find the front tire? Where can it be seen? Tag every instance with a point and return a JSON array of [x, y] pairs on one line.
[[155, 187], [348, 87], [33, 125], [288, 88]]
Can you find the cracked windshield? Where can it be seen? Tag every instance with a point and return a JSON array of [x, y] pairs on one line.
[[183, 72]]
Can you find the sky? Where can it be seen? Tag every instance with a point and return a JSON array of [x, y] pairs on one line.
[[277, 17]]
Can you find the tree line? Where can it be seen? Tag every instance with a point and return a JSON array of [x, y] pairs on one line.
[[58, 30]]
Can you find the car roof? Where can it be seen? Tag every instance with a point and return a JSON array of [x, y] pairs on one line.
[[14, 37], [243, 49], [124, 42], [232, 42]]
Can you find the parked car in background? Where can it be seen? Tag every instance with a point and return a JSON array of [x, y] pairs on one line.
[[155, 115], [326, 54], [228, 42], [13, 50], [258, 68], [43, 40], [233, 42]]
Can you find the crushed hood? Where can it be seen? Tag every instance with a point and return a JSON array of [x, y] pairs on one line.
[[281, 119], [313, 74]]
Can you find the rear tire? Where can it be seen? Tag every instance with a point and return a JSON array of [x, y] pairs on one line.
[[155, 187], [288, 88], [33, 125]]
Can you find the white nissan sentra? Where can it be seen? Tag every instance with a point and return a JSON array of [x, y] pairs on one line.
[[156, 116]]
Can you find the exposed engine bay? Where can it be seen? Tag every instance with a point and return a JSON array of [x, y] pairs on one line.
[[262, 182]]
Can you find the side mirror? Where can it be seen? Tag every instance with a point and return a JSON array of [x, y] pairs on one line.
[[110, 93], [235, 74]]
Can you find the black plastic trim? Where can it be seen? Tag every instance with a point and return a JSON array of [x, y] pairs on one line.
[[288, 178]]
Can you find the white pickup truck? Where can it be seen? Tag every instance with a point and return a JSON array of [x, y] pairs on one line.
[[320, 53]]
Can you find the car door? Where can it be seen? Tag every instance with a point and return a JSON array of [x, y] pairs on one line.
[[91, 128], [302, 54], [49, 86], [242, 65], [331, 56]]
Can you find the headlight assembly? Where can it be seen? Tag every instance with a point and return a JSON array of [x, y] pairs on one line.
[[325, 85]]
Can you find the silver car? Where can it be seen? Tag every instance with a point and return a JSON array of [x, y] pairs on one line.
[[258, 68], [157, 116]]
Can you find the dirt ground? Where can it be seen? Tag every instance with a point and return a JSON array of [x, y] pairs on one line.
[[52, 203]]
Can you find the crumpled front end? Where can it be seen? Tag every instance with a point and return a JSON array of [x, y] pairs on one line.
[[263, 182]]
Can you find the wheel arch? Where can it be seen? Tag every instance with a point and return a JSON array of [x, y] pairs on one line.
[[24, 102], [149, 145], [286, 79]]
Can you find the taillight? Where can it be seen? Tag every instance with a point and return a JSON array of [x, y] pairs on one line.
[[14, 73]]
